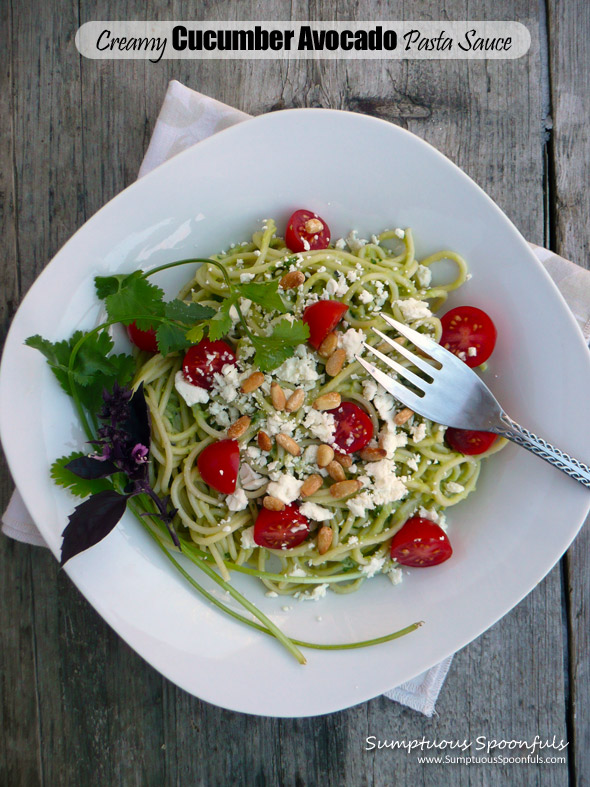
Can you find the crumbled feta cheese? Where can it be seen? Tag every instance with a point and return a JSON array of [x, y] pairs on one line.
[[365, 296], [373, 566], [192, 394], [337, 286], [424, 275], [400, 233], [352, 342], [395, 575], [352, 541], [300, 370], [391, 439], [471, 351], [369, 389], [247, 538], [321, 424], [340, 243], [318, 592], [310, 455], [360, 504], [354, 242], [277, 423], [461, 355], [385, 405], [250, 479], [298, 572], [286, 488], [306, 245], [375, 240], [227, 383], [387, 487], [315, 512], [412, 462], [418, 432], [244, 277], [453, 488], [413, 309], [271, 594], [238, 501], [352, 276], [219, 413], [433, 515]]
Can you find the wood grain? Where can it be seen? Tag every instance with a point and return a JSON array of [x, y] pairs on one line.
[[77, 705]]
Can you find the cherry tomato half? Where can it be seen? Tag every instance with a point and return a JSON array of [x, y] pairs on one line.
[[469, 441], [420, 543], [354, 428], [305, 231], [205, 359], [281, 529], [218, 465], [145, 340], [322, 317], [469, 333]]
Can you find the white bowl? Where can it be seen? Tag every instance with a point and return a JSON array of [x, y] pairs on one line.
[[357, 172]]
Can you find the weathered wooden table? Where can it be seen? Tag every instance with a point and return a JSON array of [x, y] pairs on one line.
[[78, 707]]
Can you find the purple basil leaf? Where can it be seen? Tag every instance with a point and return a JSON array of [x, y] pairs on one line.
[[90, 468], [91, 521], [137, 425]]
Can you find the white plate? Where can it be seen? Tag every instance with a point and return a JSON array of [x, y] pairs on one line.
[[356, 172]]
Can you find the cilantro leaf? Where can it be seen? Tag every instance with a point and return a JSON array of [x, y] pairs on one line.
[[264, 293], [107, 285], [187, 313], [272, 351], [135, 300], [171, 337], [221, 323], [195, 334], [81, 487]]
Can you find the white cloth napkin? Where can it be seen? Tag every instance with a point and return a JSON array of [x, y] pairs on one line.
[[187, 117]]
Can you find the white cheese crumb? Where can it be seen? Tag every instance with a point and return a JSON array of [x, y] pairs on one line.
[[271, 594], [369, 389], [227, 383], [310, 455], [453, 488], [192, 394], [365, 296], [352, 342], [250, 479], [315, 512], [413, 309], [298, 572], [245, 277], [321, 424], [238, 501], [373, 566], [424, 275], [391, 440], [395, 575], [336, 286], [299, 370], [286, 488], [318, 592], [471, 351], [340, 243], [418, 432], [354, 242], [247, 538], [400, 233]]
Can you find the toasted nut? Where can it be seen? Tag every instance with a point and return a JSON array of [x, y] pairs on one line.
[[325, 455], [336, 471], [373, 454], [403, 416], [288, 444], [383, 347], [325, 535], [345, 488], [238, 428], [327, 401], [400, 339], [291, 280], [253, 382], [277, 396], [295, 401], [264, 441], [343, 459], [313, 226], [335, 362], [273, 503], [328, 346], [311, 485]]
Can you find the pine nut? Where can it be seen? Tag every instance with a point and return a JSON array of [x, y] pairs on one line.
[[336, 471], [291, 280], [277, 396], [295, 401], [373, 454], [335, 362], [327, 401], [345, 488], [343, 459], [328, 346], [288, 444], [238, 428], [311, 485], [325, 455], [325, 536], [253, 382], [264, 441], [403, 416], [273, 503], [313, 226]]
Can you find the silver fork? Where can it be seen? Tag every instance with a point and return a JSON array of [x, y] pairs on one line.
[[455, 396]]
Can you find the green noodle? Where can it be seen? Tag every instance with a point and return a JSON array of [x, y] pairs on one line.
[[378, 275]]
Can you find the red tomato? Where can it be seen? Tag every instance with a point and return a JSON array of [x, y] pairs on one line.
[[420, 543], [281, 529], [218, 465], [469, 333], [145, 340], [322, 317], [354, 428], [469, 441], [306, 231], [204, 359]]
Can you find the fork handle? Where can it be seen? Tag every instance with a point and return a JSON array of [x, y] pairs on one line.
[[518, 434]]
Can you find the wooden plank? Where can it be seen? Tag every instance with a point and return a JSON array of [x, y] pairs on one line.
[[105, 715], [569, 149]]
